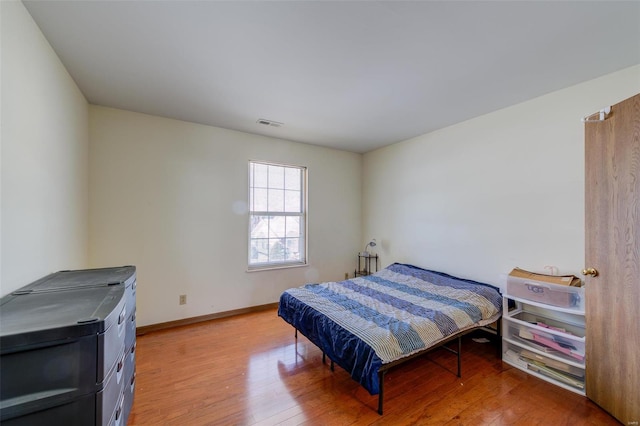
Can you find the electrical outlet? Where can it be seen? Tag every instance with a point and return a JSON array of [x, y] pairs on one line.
[[346, 275], [183, 299]]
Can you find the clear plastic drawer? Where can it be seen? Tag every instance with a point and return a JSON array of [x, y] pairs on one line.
[[568, 376], [571, 298], [556, 343]]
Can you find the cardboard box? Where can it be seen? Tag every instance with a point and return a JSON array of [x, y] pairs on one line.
[[568, 280]]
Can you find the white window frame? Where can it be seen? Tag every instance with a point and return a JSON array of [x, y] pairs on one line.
[[302, 245]]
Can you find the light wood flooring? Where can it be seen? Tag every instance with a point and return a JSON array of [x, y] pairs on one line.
[[250, 370]]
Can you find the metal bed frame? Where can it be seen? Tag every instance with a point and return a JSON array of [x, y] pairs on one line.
[[384, 368]]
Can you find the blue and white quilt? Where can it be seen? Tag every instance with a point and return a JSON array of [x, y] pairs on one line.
[[372, 320]]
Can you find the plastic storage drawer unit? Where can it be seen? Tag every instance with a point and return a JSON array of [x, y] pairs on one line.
[[63, 351]]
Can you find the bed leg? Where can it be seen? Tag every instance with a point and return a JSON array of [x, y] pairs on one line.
[[324, 360], [296, 333], [499, 338], [381, 393], [459, 354]]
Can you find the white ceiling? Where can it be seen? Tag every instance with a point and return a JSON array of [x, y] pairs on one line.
[[350, 75]]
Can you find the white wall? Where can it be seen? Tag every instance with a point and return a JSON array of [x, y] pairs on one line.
[[167, 196], [44, 165], [502, 190]]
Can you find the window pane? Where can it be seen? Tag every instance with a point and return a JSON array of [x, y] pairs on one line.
[[277, 227], [259, 227], [259, 251], [292, 201], [260, 174], [293, 227], [276, 251], [276, 200], [276, 177], [293, 178], [259, 200], [293, 251]]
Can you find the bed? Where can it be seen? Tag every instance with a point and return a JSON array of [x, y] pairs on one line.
[[369, 324]]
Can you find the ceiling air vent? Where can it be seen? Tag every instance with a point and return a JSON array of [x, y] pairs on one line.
[[269, 123]]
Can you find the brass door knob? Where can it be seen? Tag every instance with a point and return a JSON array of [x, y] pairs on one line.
[[590, 271]]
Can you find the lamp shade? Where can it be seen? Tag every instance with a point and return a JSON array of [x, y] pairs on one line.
[[371, 243]]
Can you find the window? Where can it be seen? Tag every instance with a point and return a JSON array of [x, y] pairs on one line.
[[277, 215]]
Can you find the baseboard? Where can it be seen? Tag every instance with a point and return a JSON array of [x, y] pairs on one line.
[[193, 320]]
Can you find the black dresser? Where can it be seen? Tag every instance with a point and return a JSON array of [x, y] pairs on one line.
[[67, 349]]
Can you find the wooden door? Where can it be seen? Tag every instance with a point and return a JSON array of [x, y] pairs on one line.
[[612, 222]]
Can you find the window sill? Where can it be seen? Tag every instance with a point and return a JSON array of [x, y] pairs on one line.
[[272, 267]]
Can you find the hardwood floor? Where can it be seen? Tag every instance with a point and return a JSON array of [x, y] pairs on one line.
[[249, 370]]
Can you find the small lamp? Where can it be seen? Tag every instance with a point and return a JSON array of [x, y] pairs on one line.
[[371, 243]]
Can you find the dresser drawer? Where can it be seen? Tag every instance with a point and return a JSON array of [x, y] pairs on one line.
[[46, 375], [108, 399]]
